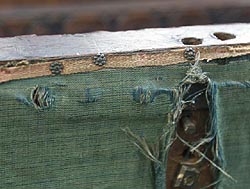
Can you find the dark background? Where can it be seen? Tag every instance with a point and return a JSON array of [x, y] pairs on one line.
[[19, 17]]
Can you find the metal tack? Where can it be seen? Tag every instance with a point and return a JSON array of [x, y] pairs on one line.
[[99, 59], [56, 68], [189, 53]]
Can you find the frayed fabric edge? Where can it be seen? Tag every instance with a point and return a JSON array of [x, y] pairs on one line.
[[158, 153]]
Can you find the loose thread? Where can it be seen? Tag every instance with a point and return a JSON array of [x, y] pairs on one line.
[[158, 153], [205, 157], [212, 184]]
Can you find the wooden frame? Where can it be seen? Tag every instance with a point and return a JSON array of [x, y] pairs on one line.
[[31, 56]]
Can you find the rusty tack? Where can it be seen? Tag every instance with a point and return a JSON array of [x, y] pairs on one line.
[[189, 53], [56, 68], [99, 59]]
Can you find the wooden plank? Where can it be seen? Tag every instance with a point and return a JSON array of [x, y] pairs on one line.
[[32, 47], [31, 56]]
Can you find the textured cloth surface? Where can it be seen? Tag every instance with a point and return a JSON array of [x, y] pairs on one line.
[[78, 141], [233, 123]]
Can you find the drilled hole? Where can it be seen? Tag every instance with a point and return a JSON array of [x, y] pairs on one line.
[[224, 36], [191, 41]]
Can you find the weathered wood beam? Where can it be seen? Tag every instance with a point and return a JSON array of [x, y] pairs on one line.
[[31, 56]]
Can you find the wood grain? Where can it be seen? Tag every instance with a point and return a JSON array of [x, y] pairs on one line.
[[31, 56]]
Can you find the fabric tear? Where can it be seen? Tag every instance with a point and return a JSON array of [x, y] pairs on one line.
[[158, 152], [42, 98]]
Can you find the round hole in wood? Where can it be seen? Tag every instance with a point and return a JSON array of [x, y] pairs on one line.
[[224, 36], [191, 41]]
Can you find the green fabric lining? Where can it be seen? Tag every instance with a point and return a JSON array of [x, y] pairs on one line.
[[233, 126], [75, 144]]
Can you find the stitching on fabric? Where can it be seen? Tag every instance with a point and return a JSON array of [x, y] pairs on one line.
[[144, 95]]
